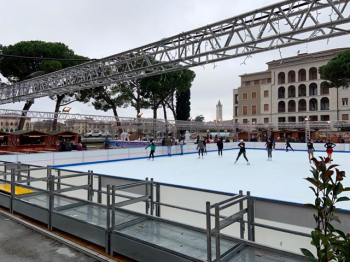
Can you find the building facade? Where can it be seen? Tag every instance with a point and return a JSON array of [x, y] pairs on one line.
[[89, 125], [9, 122], [219, 112], [289, 91]]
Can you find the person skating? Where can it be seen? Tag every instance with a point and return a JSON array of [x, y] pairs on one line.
[[220, 145], [329, 149], [288, 144], [182, 146], [205, 145], [269, 146], [310, 149], [241, 146], [200, 148], [153, 149]]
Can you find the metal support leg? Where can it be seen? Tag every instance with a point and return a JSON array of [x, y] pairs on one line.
[[217, 232], [91, 186], [249, 216], [99, 194], [58, 180], [51, 183], [208, 217], [113, 208], [28, 177], [151, 197], [108, 219], [241, 222], [158, 200], [253, 218], [19, 173], [5, 170], [48, 175], [147, 202], [13, 188]]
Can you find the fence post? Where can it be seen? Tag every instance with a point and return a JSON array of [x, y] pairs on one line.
[[158, 200], [28, 177], [253, 218], [99, 194], [249, 218], [5, 170], [217, 232], [91, 185], [241, 222], [18, 172], [13, 187], [113, 208], [51, 183], [48, 174], [58, 180], [108, 219], [151, 196], [208, 216], [146, 188]]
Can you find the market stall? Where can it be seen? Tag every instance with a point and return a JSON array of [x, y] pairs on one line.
[[29, 141]]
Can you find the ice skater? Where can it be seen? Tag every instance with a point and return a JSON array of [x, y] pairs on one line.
[[220, 145], [310, 149], [241, 146], [329, 149], [205, 145], [200, 148], [269, 146], [153, 149], [288, 144]]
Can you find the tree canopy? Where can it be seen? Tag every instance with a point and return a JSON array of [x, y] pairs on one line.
[[337, 71], [199, 118]]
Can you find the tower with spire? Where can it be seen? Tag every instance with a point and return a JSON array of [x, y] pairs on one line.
[[219, 112]]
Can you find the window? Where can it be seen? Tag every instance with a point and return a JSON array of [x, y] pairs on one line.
[[245, 121], [269, 80], [245, 96], [266, 120], [345, 101], [253, 110], [254, 95], [256, 82], [344, 87], [236, 99], [254, 121], [266, 93], [247, 83], [345, 117], [266, 107], [281, 119], [245, 110]]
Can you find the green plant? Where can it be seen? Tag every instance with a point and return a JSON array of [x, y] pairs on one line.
[[330, 243]]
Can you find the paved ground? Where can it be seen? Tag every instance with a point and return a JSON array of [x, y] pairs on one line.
[[18, 243]]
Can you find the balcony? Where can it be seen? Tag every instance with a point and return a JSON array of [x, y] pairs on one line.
[[302, 109], [282, 110], [291, 109]]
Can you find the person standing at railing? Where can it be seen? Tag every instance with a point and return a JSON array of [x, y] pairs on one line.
[[269, 146], [329, 149], [241, 146], [106, 141], [220, 145], [169, 144], [153, 149], [310, 149]]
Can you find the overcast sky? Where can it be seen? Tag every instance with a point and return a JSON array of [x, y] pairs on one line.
[[101, 28]]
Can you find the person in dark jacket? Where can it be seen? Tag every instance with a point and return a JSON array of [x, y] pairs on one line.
[[63, 145], [79, 139], [200, 148], [269, 146], [241, 146], [288, 144], [310, 149], [329, 149], [220, 145]]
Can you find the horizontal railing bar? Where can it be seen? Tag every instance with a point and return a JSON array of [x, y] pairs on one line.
[[233, 203], [30, 169], [131, 185], [80, 199], [118, 195], [186, 209], [60, 208], [71, 189], [131, 201], [231, 219], [64, 184], [3, 173], [32, 188], [70, 176], [282, 230], [31, 180], [225, 201]]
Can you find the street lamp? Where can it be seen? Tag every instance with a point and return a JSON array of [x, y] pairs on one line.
[[307, 129], [139, 114], [189, 118], [66, 109], [328, 129]]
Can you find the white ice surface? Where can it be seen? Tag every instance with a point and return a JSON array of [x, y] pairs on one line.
[[280, 179]]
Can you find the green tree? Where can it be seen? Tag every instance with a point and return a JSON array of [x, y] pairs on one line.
[[18, 69], [183, 105], [199, 118], [337, 71]]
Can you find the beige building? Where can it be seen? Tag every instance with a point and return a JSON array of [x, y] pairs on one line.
[[46, 126], [289, 91], [9, 122], [89, 125]]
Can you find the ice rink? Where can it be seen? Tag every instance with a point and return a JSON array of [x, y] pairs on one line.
[[279, 179]]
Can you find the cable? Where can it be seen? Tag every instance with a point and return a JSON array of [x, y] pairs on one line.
[[44, 58]]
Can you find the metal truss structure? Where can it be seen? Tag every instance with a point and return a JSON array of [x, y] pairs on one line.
[[280, 25], [160, 125]]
